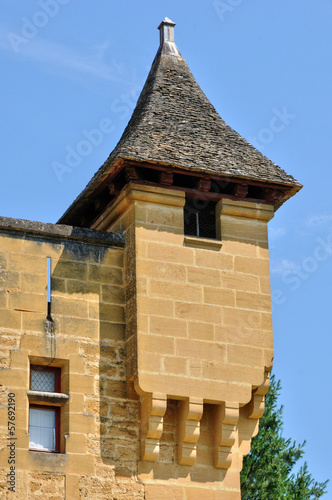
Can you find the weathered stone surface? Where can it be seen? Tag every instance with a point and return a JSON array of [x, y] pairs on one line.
[[163, 342], [44, 230], [89, 351]]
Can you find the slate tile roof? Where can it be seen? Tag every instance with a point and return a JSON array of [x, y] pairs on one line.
[[175, 124]]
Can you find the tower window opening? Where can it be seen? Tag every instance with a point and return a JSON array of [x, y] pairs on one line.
[[200, 218]]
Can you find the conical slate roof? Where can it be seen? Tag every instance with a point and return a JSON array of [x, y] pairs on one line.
[[175, 124]]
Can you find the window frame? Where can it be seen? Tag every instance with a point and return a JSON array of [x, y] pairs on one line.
[[57, 427], [44, 400], [55, 370], [196, 212]]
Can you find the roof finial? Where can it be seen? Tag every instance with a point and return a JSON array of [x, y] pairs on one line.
[[166, 28]]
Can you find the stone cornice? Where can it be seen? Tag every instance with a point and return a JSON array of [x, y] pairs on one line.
[[59, 231]]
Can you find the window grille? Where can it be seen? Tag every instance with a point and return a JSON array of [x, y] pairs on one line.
[[43, 381], [200, 218]]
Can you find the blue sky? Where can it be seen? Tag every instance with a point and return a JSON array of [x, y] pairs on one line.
[[70, 67]]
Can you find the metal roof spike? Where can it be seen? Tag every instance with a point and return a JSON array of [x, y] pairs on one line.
[[166, 28], [166, 21]]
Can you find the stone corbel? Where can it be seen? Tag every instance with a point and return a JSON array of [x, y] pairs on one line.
[[153, 409], [190, 412], [226, 420], [256, 405]]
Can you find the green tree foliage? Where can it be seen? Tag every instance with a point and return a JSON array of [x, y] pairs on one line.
[[267, 469]]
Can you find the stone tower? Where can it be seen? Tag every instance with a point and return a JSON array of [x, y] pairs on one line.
[[194, 199], [186, 201]]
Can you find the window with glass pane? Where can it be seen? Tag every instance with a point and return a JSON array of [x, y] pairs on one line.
[[44, 418], [42, 381], [43, 428], [44, 378]]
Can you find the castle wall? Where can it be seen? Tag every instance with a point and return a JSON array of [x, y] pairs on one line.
[[99, 422], [164, 343]]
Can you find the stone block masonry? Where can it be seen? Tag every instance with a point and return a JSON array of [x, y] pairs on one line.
[[197, 335], [164, 349], [99, 423]]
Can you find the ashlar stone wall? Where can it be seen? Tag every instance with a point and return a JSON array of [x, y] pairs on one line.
[[198, 338], [100, 421], [164, 342]]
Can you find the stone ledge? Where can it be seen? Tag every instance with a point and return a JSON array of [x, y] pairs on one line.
[[60, 231], [205, 243], [56, 398]]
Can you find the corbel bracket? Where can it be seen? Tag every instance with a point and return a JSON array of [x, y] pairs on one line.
[[190, 412], [131, 174], [111, 189], [153, 409], [204, 185], [241, 190], [273, 195], [226, 420], [166, 178], [256, 405]]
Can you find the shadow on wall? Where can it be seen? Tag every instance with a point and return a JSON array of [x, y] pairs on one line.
[[88, 309]]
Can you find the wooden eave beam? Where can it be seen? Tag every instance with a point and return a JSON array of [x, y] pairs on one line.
[[129, 171]]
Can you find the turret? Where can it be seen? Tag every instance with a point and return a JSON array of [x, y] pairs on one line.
[[193, 199]]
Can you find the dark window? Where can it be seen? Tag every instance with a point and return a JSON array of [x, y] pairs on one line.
[[200, 218]]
